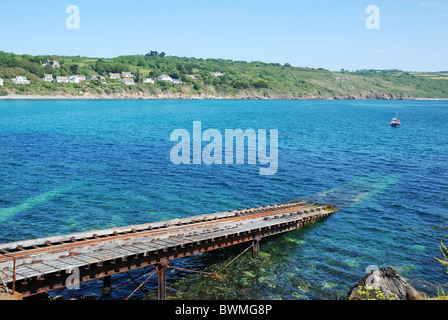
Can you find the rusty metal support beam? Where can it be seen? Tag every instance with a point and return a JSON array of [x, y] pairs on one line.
[[161, 279], [107, 285], [255, 247]]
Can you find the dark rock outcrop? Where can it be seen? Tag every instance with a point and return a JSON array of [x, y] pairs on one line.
[[389, 282]]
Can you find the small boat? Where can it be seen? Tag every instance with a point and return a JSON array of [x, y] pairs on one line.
[[395, 123]]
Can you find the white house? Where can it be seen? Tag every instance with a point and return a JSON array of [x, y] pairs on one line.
[[176, 81], [164, 77], [167, 78], [77, 78], [128, 81], [114, 76], [60, 79], [1, 81], [217, 74], [94, 77], [52, 64], [48, 77], [148, 80], [127, 75], [192, 76], [20, 80]]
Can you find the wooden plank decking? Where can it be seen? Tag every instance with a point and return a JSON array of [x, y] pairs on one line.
[[39, 265]]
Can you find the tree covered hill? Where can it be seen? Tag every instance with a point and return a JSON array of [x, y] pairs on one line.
[[236, 79]]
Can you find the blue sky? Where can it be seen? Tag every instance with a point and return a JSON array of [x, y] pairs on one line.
[[413, 35]]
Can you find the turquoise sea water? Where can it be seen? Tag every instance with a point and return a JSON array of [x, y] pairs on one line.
[[68, 166]]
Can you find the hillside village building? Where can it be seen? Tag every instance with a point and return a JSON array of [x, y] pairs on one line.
[[94, 77], [48, 77], [128, 81], [164, 77], [51, 64], [62, 79], [20, 80], [77, 78], [167, 78]]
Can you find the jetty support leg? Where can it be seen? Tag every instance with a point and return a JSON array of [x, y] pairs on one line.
[[255, 247], [107, 285], [161, 279]]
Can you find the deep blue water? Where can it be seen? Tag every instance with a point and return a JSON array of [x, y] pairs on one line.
[[68, 166]]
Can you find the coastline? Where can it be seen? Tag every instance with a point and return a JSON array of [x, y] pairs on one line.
[[202, 97]]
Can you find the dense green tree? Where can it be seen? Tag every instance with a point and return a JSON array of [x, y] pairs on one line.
[[240, 84], [74, 68], [138, 76], [261, 84]]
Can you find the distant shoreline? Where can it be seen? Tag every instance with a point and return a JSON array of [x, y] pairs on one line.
[[174, 97]]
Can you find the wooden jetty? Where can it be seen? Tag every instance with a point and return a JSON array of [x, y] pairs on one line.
[[35, 266]]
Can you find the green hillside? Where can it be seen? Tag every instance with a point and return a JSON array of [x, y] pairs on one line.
[[241, 79]]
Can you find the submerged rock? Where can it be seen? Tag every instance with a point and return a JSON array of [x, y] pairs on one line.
[[249, 274], [264, 255], [389, 283]]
